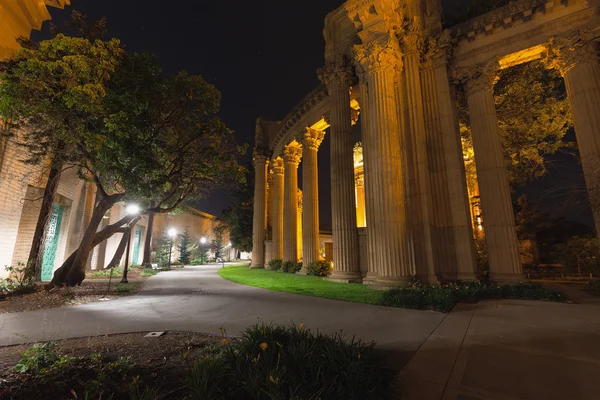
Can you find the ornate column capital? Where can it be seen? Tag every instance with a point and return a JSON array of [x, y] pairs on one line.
[[277, 166], [258, 157], [359, 179], [337, 72], [565, 52], [481, 77], [436, 51], [379, 54], [313, 138], [293, 153]]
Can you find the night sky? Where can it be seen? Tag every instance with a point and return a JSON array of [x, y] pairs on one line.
[[262, 55]]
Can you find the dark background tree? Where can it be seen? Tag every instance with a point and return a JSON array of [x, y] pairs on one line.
[[185, 243], [238, 217]]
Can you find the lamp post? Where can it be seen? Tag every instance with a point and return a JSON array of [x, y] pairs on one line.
[[202, 243], [172, 233], [132, 209]]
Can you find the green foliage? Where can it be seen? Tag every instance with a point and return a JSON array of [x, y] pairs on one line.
[[149, 272], [217, 244], [185, 247], [163, 250], [528, 138], [320, 268], [125, 288], [41, 358], [238, 217], [444, 298], [18, 281], [581, 255], [102, 273], [197, 261], [291, 267], [276, 362], [275, 264]]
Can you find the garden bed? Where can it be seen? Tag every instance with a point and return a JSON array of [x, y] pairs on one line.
[[36, 297], [418, 297]]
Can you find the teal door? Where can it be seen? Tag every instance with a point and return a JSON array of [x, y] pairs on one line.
[[51, 242], [137, 239]]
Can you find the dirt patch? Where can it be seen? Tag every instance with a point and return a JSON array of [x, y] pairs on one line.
[[162, 362], [88, 292]]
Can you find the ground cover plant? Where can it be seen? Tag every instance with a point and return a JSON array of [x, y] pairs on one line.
[[417, 297], [267, 362]]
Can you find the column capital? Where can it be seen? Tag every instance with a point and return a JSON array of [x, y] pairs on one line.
[[566, 51], [480, 77], [277, 166], [293, 153], [259, 158], [436, 51], [336, 73], [379, 54], [313, 138]]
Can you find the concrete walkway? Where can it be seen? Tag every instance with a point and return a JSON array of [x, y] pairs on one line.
[[501, 349]]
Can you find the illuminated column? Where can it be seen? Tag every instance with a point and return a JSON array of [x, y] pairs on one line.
[[359, 184], [270, 192], [387, 229], [576, 57], [291, 158], [299, 225], [420, 191], [259, 227], [454, 235], [310, 200], [499, 220], [277, 221], [338, 76]]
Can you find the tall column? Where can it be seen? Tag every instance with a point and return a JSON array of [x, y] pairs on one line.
[[259, 227], [361, 221], [291, 158], [454, 236], [270, 193], [387, 232], [499, 220], [576, 57], [420, 193], [338, 76], [310, 196], [277, 221]]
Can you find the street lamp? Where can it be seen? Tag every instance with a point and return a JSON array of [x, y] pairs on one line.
[[202, 243], [132, 209], [172, 233]]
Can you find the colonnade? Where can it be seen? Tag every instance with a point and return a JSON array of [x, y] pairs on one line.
[[416, 206]]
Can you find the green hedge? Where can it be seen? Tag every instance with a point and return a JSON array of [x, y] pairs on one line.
[[319, 268], [275, 264], [291, 267]]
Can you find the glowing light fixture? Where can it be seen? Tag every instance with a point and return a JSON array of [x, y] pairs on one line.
[[172, 232]]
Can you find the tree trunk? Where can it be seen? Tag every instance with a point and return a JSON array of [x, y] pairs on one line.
[[148, 241], [36, 254], [72, 272], [116, 260]]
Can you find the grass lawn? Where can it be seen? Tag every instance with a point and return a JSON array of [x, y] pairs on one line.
[[299, 284]]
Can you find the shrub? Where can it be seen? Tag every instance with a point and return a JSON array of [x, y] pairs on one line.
[[41, 358], [149, 272], [291, 267], [275, 265], [106, 272], [18, 281], [319, 268], [196, 261], [276, 362]]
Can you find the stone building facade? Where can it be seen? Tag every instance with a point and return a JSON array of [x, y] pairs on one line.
[[393, 64]]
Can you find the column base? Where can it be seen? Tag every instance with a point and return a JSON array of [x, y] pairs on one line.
[[389, 282], [345, 277], [430, 280], [370, 278], [461, 276], [508, 278], [257, 266]]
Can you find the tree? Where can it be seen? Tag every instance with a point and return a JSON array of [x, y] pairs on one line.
[[138, 135], [238, 218], [185, 247], [217, 243], [163, 251], [580, 254], [528, 138]]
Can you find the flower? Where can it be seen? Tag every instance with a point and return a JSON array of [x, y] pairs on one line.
[[264, 346], [274, 380], [224, 341], [301, 325]]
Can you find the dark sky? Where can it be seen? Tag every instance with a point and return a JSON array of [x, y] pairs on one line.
[[262, 55]]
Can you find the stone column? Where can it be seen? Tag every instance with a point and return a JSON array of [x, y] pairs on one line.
[[259, 227], [270, 192], [310, 196], [496, 203], [576, 57], [277, 221], [420, 193], [387, 229], [361, 220], [291, 158], [338, 77], [456, 248]]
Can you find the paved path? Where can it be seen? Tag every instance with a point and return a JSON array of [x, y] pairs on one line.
[[495, 350]]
